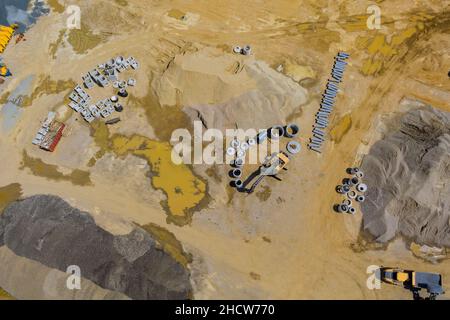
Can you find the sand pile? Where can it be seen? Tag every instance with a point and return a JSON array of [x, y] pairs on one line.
[[225, 89], [48, 230], [408, 174]]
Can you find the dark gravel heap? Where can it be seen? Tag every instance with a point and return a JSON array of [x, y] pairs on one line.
[[48, 230]]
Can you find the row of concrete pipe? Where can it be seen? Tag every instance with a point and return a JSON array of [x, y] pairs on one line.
[[239, 149], [327, 103]]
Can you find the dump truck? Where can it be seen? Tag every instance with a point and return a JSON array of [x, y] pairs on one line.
[[414, 281]]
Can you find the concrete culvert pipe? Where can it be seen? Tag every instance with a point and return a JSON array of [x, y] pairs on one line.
[[238, 183], [244, 146], [351, 210], [360, 174], [291, 130], [293, 147], [351, 194], [240, 153], [261, 136], [361, 187], [347, 202], [123, 93], [345, 188], [360, 198], [342, 208], [339, 189], [237, 49], [235, 144], [236, 173], [118, 107], [354, 180], [247, 50], [346, 181], [276, 132], [238, 162], [355, 170], [231, 151], [251, 142], [114, 99]]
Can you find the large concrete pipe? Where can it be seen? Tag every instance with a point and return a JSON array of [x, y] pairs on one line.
[[276, 132], [291, 130], [361, 187], [293, 147]]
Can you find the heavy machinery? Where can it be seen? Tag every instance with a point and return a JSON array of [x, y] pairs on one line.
[[414, 281], [271, 167]]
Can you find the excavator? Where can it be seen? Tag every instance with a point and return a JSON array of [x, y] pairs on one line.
[[414, 281], [273, 164]]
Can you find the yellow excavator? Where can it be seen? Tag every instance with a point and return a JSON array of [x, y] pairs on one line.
[[274, 163], [414, 281]]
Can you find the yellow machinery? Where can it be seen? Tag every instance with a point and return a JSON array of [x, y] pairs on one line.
[[413, 281], [271, 167], [6, 34]]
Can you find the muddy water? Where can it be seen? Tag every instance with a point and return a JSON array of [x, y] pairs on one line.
[[51, 172], [184, 190], [8, 194]]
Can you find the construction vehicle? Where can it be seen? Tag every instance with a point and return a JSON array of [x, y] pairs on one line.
[[4, 71], [271, 167], [413, 281], [6, 33]]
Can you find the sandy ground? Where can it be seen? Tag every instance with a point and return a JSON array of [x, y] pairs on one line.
[[291, 246]]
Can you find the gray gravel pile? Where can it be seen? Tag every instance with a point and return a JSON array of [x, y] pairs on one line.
[[408, 175], [48, 230]]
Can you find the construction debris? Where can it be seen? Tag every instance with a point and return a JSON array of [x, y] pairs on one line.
[[327, 103], [49, 133]]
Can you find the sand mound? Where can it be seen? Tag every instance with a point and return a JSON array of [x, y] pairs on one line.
[[408, 174], [48, 230], [227, 88]]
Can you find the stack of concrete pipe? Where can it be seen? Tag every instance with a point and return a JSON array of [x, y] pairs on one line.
[[353, 189]]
